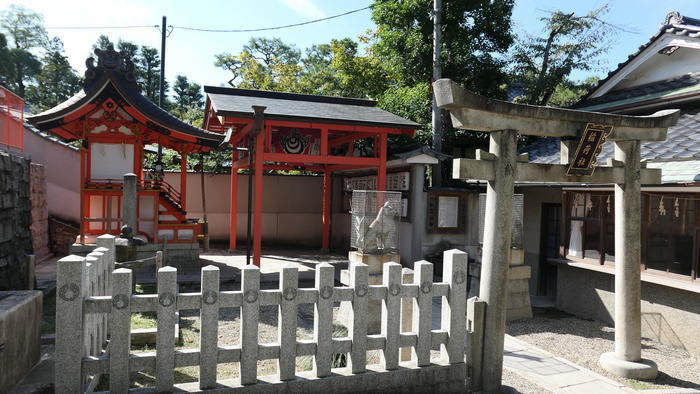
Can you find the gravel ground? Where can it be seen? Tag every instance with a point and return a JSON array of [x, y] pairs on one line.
[[583, 341]]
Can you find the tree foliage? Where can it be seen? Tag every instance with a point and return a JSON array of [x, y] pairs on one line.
[[57, 81], [474, 34], [24, 30], [570, 42], [187, 94]]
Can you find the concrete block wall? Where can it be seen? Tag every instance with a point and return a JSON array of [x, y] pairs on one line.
[[40, 212], [15, 221], [669, 315], [20, 330]]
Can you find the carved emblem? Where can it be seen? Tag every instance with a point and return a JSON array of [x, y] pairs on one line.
[[166, 299], [109, 60], [68, 292], [289, 293], [326, 292], [209, 297], [120, 301], [394, 289], [508, 169], [460, 277], [425, 287], [361, 290], [294, 143], [251, 296]]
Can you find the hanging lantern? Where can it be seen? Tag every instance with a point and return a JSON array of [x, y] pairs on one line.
[[662, 209], [676, 208]]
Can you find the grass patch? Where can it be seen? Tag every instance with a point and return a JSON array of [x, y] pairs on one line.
[[143, 320], [641, 385]]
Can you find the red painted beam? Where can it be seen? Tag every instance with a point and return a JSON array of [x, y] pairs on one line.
[[318, 159]]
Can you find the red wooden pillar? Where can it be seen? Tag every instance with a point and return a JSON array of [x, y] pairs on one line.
[[325, 242], [326, 210], [233, 216], [83, 170], [258, 193], [183, 180], [381, 170]]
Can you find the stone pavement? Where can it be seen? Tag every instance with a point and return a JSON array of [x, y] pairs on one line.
[[553, 373]]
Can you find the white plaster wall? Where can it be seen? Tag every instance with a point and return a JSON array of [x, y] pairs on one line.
[[62, 168], [660, 67], [111, 161], [291, 206]]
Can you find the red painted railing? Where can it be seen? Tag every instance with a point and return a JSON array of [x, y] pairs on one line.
[[117, 184], [11, 119]]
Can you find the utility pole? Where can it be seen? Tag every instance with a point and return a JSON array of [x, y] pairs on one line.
[[161, 97], [437, 74]]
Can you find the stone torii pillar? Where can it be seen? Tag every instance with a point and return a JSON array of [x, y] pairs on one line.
[[502, 167]]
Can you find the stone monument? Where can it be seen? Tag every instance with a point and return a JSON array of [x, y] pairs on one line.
[[374, 235]]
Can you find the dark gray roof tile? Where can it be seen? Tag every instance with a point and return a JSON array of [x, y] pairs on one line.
[[682, 142], [303, 107]]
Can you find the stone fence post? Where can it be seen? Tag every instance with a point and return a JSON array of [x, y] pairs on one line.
[[71, 286]]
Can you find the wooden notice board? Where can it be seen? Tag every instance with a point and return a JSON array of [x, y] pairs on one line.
[[588, 149]]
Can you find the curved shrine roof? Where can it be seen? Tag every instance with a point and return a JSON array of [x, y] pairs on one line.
[[114, 77]]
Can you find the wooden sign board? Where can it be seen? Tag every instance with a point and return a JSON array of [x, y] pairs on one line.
[[588, 149]]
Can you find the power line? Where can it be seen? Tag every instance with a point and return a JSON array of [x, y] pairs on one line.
[[277, 27], [220, 30], [99, 27]]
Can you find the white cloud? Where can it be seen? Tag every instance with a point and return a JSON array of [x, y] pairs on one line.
[[305, 8]]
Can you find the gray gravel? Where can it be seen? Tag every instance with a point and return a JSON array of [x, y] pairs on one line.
[[583, 341]]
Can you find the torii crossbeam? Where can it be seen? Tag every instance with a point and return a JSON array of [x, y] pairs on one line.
[[502, 167]]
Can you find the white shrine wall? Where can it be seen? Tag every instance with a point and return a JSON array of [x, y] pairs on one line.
[[111, 161]]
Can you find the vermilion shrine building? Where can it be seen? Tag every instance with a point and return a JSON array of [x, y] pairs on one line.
[[287, 131], [114, 122]]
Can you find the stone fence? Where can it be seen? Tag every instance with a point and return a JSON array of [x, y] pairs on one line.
[[85, 304]]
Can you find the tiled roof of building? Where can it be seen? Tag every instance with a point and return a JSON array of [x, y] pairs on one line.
[[303, 107], [682, 145], [642, 92], [675, 23]]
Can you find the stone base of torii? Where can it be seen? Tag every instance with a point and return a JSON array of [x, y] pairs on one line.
[[502, 168]]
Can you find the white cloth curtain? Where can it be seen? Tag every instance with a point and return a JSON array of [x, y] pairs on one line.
[[576, 238]]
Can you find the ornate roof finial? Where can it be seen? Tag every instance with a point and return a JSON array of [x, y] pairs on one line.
[[673, 18], [109, 60]]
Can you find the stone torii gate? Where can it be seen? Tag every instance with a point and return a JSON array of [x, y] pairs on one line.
[[502, 167]]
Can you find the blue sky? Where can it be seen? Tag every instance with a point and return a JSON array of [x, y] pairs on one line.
[[192, 53]]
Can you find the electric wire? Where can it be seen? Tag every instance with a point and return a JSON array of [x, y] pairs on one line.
[[277, 27], [100, 27], [207, 30]]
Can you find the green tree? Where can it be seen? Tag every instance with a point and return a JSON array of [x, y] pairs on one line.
[[57, 81], [570, 42], [568, 92], [5, 64], [25, 29], [474, 34], [148, 64], [267, 64], [187, 95]]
